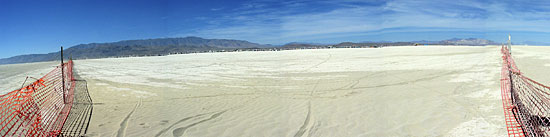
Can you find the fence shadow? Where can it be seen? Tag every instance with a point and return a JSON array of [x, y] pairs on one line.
[[81, 112]]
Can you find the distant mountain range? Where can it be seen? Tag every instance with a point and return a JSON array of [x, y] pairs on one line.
[[454, 41], [343, 45], [533, 43], [165, 46], [147, 47], [469, 41]]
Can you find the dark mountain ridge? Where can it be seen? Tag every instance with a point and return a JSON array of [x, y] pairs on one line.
[[166, 46], [146, 47]]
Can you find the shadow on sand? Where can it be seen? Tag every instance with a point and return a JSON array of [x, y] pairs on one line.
[[81, 112]]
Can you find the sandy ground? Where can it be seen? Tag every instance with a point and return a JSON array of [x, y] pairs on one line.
[[392, 91], [13, 76], [534, 62]]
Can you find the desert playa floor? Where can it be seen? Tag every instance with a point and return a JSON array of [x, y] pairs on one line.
[[391, 91]]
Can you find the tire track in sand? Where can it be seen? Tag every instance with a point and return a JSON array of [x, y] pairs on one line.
[[306, 126], [124, 124], [180, 121], [318, 64], [180, 131]]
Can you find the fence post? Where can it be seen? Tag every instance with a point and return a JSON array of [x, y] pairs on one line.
[[63, 76]]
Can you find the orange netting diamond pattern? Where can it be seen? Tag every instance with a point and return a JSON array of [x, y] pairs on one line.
[[40, 108], [526, 102]]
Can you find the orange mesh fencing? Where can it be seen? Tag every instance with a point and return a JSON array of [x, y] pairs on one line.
[[526, 102], [40, 108]]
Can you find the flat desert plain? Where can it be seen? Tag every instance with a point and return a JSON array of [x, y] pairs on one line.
[[390, 91]]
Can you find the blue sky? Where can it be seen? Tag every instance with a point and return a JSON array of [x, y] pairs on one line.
[[42, 26]]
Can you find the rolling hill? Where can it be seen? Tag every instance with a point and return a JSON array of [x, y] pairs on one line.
[[146, 47]]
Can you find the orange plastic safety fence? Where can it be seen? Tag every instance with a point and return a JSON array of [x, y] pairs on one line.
[[513, 127], [40, 108], [526, 102]]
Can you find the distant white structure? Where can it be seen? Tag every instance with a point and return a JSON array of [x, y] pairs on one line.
[[510, 43]]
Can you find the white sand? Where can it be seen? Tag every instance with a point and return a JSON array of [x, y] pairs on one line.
[[392, 91], [13, 76], [534, 62]]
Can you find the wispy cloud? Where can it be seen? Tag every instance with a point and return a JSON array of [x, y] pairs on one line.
[[267, 21], [216, 9]]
